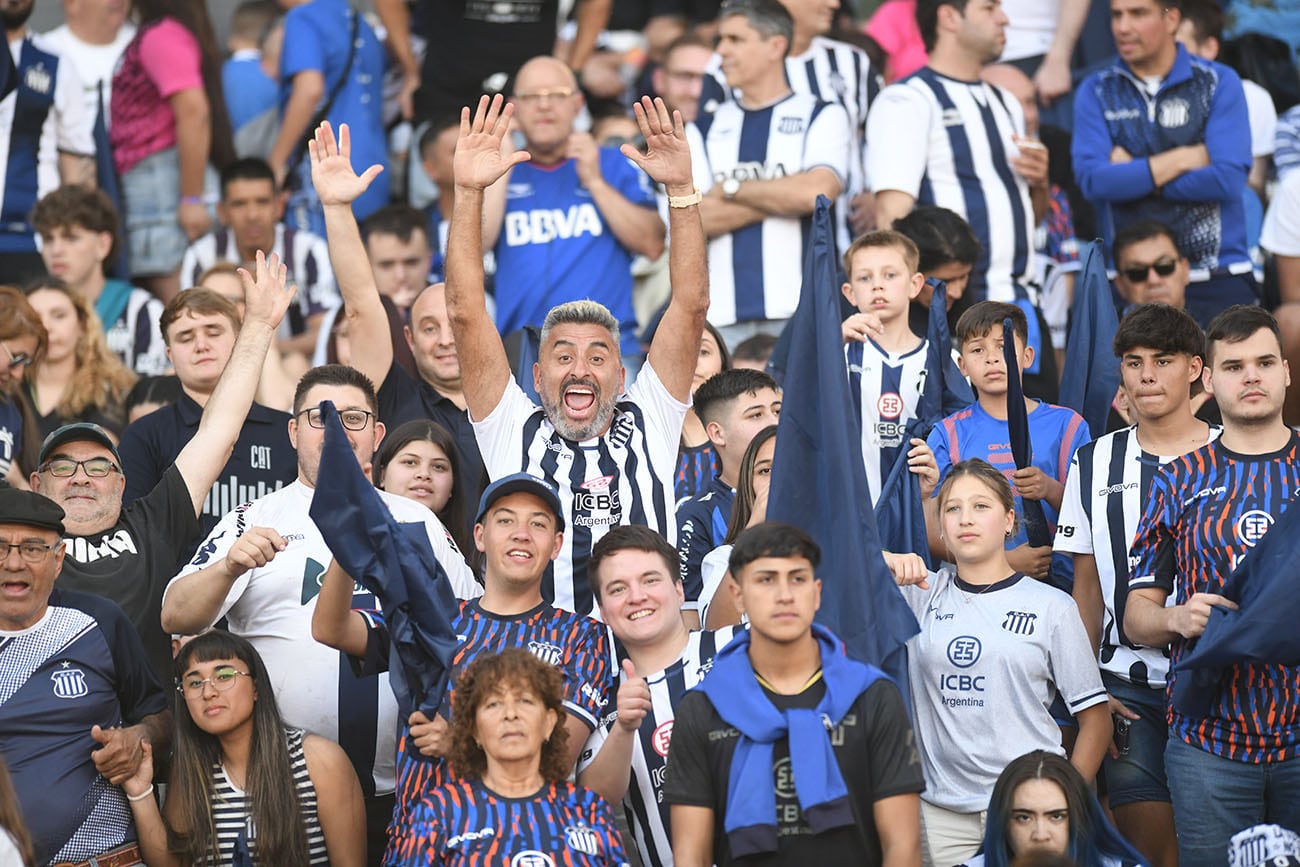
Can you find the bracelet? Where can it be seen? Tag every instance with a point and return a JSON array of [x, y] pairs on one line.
[[191, 200], [140, 797], [685, 201]]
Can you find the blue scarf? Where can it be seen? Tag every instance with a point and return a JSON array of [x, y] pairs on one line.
[[739, 699]]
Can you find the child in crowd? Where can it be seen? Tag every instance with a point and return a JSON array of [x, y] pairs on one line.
[[981, 431]]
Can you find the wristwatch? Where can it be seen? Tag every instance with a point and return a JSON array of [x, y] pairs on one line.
[[730, 187]]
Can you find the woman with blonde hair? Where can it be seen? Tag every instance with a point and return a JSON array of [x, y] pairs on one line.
[[22, 342], [79, 378]]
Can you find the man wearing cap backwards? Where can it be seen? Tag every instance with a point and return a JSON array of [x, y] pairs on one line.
[[261, 568], [127, 555], [75, 673], [520, 530]]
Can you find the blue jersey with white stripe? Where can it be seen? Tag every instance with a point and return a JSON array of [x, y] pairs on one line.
[[466, 824], [644, 807], [80, 665], [573, 643], [886, 388], [948, 142], [755, 272]]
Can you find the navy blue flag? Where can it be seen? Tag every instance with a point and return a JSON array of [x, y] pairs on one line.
[[106, 177], [1091, 374], [900, 514], [395, 562], [1263, 628], [819, 482], [1018, 429], [530, 342]]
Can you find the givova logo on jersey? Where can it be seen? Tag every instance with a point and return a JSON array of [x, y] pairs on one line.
[[753, 171]]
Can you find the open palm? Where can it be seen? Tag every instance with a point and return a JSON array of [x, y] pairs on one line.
[[484, 151], [667, 159], [336, 182]]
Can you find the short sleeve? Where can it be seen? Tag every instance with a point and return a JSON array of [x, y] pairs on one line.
[[1153, 545], [591, 748], [938, 443], [167, 515], [895, 764], [1073, 528], [898, 127], [694, 541], [688, 780], [75, 132], [304, 48], [171, 58], [586, 672], [1281, 232], [827, 144], [215, 547], [499, 434], [1074, 663], [664, 415], [712, 570]]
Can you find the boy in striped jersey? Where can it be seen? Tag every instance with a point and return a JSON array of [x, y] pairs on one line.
[[635, 579], [1160, 351], [1206, 511], [520, 530]]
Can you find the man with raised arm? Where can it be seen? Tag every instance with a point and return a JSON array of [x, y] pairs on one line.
[[128, 555], [611, 454]]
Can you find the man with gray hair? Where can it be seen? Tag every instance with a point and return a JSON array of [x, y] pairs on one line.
[[610, 453]]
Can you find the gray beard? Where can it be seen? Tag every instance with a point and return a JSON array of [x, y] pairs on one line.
[[597, 426]]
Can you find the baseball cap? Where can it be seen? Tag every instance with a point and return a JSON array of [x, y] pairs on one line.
[[30, 509], [82, 431], [518, 482]]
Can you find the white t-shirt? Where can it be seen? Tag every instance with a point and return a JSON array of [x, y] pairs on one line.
[[1263, 118], [984, 671], [272, 607], [1030, 28], [94, 63], [1281, 232]]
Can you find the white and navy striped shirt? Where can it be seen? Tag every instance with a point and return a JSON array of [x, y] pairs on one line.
[[624, 476], [643, 805], [305, 256], [43, 117], [948, 142], [831, 71], [136, 335], [755, 272], [886, 389], [1105, 495], [232, 810]]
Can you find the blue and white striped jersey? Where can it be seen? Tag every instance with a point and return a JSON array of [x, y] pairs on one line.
[[948, 142], [886, 389]]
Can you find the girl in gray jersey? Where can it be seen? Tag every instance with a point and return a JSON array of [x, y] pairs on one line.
[[994, 649]]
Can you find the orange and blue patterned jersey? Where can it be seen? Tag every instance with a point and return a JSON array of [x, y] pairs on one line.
[[465, 824], [573, 643], [1207, 509]]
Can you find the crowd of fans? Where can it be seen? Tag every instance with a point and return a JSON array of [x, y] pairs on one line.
[[526, 273]]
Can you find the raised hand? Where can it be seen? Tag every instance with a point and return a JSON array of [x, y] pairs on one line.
[[667, 159], [268, 292], [484, 151], [336, 182]]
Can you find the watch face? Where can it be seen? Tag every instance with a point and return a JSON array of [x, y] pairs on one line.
[[730, 186]]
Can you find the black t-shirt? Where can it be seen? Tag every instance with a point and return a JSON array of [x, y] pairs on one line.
[[263, 460], [132, 561], [403, 398], [873, 745]]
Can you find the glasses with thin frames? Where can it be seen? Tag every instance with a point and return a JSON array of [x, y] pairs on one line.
[[63, 468], [353, 419], [32, 552], [222, 680], [1138, 273], [536, 97], [15, 360]]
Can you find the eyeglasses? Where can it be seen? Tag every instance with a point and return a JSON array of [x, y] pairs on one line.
[[536, 97], [222, 680], [16, 360], [63, 468], [353, 419], [32, 552], [1138, 273]]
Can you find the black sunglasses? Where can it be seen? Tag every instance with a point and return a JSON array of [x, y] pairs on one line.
[[1138, 273]]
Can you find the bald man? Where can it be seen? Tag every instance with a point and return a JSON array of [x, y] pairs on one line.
[[566, 224]]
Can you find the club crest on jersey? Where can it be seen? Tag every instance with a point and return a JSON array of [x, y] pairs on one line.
[[790, 125], [532, 858], [70, 683], [38, 78], [1174, 113], [548, 653], [964, 651], [581, 838], [1252, 526], [1019, 622], [662, 737]]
